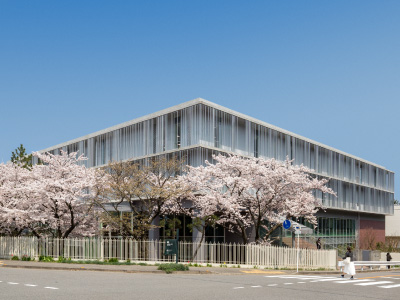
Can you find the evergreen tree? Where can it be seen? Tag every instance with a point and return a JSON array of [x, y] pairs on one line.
[[21, 158]]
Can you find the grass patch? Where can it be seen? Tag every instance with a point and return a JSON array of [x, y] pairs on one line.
[[169, 268]]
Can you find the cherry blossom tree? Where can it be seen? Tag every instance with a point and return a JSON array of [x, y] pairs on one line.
[[253, 193], [66, 190], [51, 198], [18, 210]]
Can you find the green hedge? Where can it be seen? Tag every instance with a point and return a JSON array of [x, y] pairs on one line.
[[169, 268]]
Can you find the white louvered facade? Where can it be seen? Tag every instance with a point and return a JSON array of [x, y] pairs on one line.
[[199, 128]]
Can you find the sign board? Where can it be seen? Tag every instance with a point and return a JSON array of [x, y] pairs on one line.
[[287, 224], [171, 247]]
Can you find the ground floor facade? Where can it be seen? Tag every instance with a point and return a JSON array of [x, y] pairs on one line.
[[335, 228]]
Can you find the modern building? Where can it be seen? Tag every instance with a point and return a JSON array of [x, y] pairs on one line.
[[197, 129]]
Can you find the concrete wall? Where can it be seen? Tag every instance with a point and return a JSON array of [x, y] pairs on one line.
[[395, 256], [392, 226]]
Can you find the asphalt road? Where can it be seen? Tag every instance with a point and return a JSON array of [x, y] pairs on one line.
[[55, 284]]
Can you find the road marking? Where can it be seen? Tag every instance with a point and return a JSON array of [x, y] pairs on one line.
[[296, 276], [30, 284], [12, 282], [272, 284], [389, 286], [262, 272], [353, 281], [309, 278], [301, 282], [255, 286], [50, 287], [379, 276], [288, 283], [374, 283], [329, 279]]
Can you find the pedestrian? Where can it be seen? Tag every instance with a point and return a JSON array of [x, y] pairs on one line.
[[349, 267], [318, 242], [388, 258]]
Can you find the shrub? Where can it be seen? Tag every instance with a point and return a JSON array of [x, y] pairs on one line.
[[15, 257], [26, 258], [113, 260], [62, 259], [169, 268], [46, 258]]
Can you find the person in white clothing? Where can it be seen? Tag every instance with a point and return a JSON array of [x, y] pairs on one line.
[[349, 267]]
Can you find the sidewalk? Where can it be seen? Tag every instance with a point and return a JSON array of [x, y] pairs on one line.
[[153, 269]]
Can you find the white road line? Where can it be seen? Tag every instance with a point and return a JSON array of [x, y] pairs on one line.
[[238, 287], [389, 286], [374, 283], [254, 286], [30, 284], [295, 276], [288, 283], [329, 279], [282, 276], [301, 282], [12, 282], [50, 287], [312, 278], [353, 281], [274, 284]]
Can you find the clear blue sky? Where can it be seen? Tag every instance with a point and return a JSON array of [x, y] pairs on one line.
[[327, 70]]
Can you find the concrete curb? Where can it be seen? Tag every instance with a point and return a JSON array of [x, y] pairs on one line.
[[101, 270]]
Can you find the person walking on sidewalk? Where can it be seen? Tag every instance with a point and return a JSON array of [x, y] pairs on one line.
[[318, 243], [388, 258], [349, 267]]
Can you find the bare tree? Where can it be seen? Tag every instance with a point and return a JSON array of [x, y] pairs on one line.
[[369, 239], [140, 189]]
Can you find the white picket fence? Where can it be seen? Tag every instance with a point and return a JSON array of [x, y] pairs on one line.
[[153, 251]]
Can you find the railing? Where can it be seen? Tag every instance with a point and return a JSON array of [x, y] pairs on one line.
[[371, 264], [153, 251]]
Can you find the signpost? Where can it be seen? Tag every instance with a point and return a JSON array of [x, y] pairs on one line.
[[172, 247], [298, 231], [287, 224]]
